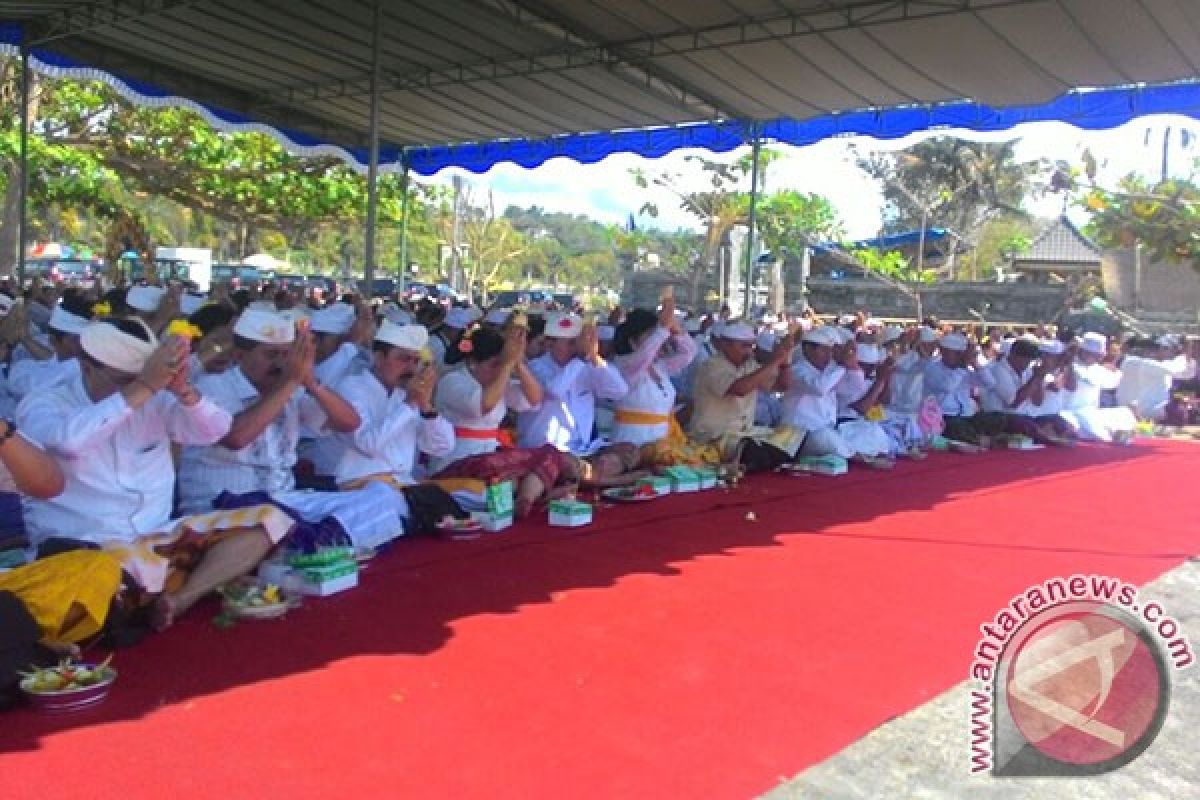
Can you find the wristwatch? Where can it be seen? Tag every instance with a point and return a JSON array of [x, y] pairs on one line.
[[9, 431]]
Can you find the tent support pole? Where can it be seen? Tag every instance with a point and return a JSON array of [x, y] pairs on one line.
[[373, 164], [23, 190], [404, 187], [755, 152]]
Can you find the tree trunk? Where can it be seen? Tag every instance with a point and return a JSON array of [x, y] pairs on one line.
[[10, 222]]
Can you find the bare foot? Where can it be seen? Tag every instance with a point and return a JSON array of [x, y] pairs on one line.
[[528, 492], [166, 607]]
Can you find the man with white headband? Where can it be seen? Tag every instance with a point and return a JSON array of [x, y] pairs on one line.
[[1014, 381], [339, 331], [271, 391], [911, 349], [726, 397], [1081, 406], [111, 428], [67, 322], [573, 375], [954, 382], [1045, 402], [828, 358], [394, 401]]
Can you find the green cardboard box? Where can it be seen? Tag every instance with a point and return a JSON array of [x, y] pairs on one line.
[[570, 513]]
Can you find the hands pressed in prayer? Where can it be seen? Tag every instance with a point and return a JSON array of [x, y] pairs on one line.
[[301, 360], [181, 382], [782, 353], [886, 367], [419, 392], [164, 363], [363, 331], [588, 345], [514, 345], [666, 314]]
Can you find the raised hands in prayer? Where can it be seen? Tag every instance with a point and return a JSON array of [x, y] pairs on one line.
[[419, 393], [588, 345], [514, 345], [302, 359]]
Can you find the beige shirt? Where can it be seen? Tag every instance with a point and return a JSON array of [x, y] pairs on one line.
[[717, 413]]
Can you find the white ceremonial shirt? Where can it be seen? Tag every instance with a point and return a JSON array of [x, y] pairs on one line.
[[849, 390], [460, 399], [908, 383], [390, 435], [1090, 381], [953, 388], [1001, 390], [651, 391], [263, 465], [568, 409], [323, 449], [120, 478], [29, 374], [810, 402], [1146, 383]]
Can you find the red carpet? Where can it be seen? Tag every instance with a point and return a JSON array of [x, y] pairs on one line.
[[670, 650]]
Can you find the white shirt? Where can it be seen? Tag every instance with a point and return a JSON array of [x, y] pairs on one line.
[[1146, 383], [953, 387], [1002, 389], [651, 391], [120, 477], [1052, 400], [809, 402], [849, 390], [263, 465], [29, 374], [908, 383], [390, 434], [1090, 381], [324, 449], [459, 398], [568, 408]]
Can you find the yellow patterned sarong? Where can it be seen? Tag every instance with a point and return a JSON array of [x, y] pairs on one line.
[[151, 559], [69, 594]]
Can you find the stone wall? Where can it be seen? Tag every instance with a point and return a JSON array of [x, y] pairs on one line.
[[1172, 289], [952, 300], [999, 302]]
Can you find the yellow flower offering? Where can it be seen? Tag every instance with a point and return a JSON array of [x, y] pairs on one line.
[[181, 327], [102, 310], [875, 413]]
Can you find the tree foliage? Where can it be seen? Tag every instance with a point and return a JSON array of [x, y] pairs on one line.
[[953, 183], [92, 152]]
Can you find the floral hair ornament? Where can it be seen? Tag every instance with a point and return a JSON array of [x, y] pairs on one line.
[[181, 327], [102, 310], [465, 345]]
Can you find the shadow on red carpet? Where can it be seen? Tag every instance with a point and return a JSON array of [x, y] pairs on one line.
[[676, 647]]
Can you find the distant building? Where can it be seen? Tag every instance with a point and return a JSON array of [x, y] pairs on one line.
[[1059, 254]]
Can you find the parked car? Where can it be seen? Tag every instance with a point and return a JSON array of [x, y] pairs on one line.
[[380, 287], [73, 271], [237, 276], [520, 297]]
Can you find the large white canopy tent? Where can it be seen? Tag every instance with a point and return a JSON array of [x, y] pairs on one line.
[[425, 84]]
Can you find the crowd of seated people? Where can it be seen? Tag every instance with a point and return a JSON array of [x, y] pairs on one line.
[[162, 443]]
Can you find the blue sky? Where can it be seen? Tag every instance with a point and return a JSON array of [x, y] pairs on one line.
[[605, 191]]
